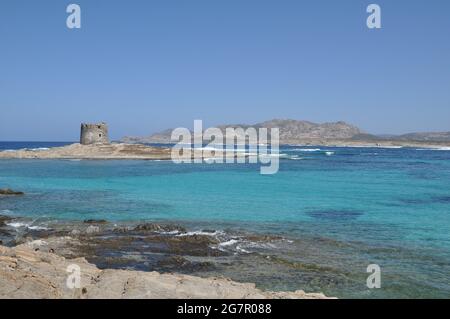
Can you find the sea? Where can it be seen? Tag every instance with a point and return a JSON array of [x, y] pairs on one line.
[[337, 210]]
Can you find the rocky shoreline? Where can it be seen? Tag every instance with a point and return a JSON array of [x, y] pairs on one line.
[[114, 261], [124, 151], [33, 271], [113, 151], [94, 151]]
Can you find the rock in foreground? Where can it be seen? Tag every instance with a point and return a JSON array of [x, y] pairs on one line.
[[29, 271]]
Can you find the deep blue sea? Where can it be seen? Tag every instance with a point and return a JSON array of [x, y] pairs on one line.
[[340, 210]]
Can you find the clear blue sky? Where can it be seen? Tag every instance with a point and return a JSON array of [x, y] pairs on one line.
[[143, 66]]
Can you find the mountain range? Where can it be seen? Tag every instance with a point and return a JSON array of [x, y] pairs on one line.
[[305, 132]]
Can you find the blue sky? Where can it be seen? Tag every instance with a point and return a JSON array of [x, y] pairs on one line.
[[143, 66]]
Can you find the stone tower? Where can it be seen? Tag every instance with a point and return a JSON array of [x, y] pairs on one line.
[[94, 134]]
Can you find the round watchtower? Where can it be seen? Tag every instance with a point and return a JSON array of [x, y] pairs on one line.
[[94, 134]]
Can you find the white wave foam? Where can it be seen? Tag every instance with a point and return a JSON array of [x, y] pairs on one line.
[[390, 146], [273, 155], [37, 227], [242, 250], [38, 149], [229, 242], [20, 225], [252, 244], [173, 232], [329, 153], [17, 224], [307, 149], [202, 233], [445, 148]]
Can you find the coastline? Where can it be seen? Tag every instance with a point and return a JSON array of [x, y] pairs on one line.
[[34, 263], [124, 151], [94, 151], [32, 270]]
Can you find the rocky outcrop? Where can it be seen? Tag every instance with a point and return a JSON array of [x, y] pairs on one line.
[[32, 270], [96, 151], [114, 151], [7, 191]]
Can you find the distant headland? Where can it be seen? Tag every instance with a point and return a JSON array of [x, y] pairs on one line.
[[324, 134]]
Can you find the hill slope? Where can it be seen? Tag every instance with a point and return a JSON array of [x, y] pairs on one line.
[[291, 131]]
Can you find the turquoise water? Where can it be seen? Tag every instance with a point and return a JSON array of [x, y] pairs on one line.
[[346, 209]]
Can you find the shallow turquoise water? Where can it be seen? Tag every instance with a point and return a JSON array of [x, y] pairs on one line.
[[385, 206]]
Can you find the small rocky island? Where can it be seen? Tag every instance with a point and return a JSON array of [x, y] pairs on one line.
[[9, 192], [94, 144], [93, 151]]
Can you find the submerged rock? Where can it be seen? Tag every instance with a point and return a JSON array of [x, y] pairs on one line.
[[8, 191], [4, 219], [181, 264], [263, 238]]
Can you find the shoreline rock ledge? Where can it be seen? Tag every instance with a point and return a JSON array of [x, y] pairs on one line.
[[30, 271]]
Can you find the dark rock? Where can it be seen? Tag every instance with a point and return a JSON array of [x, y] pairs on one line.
[[4, 219], [194, 245], [194, 239], [263, 238], [153, 227], [181, 264], [174, 261], [7, 191]]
